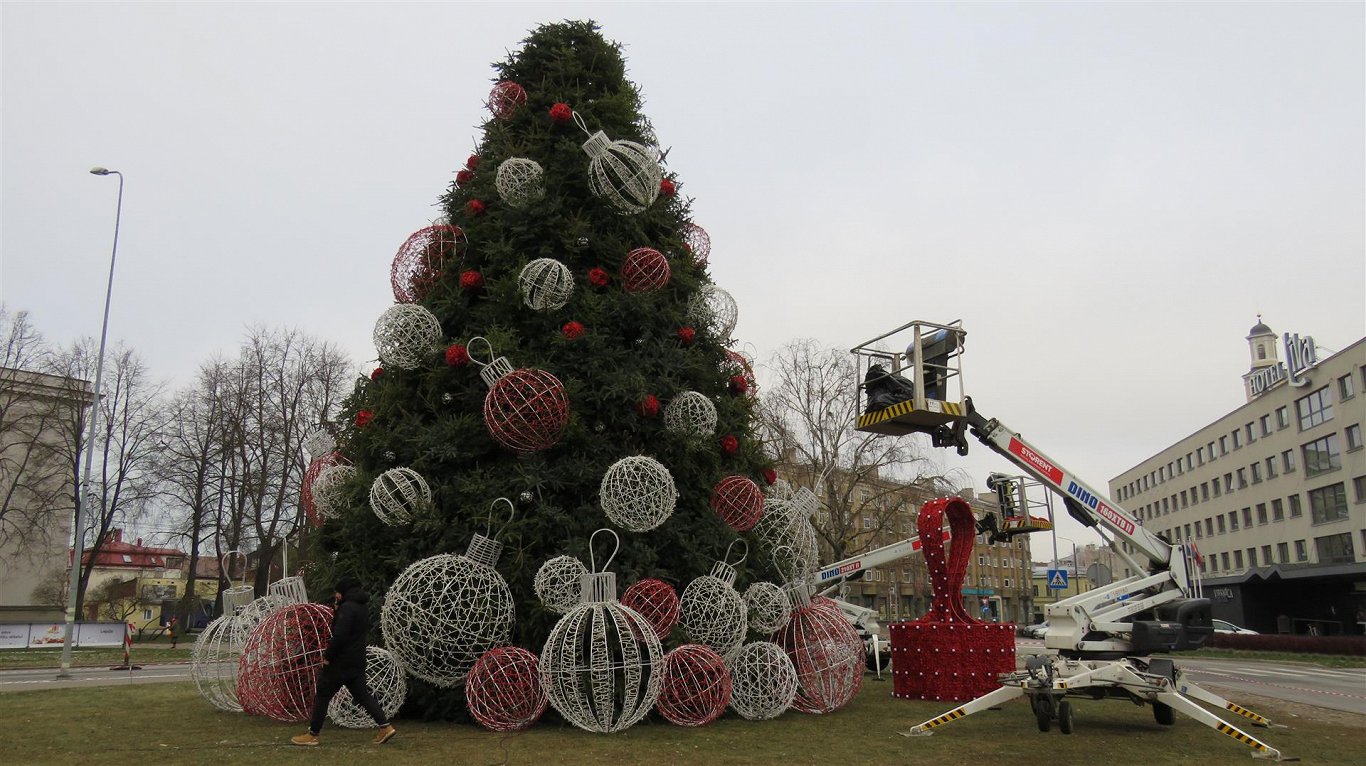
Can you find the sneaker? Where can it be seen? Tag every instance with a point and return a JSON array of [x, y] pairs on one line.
[[384, 734], [307, 739]]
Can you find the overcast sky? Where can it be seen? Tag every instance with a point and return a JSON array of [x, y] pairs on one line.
[[1106, 194]]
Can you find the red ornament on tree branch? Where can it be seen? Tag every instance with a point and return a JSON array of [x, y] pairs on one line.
[[473, 162], [561, 114], [649, 406], [738, 384], [598, 277], [457, 355], [364, 417], [572, 330], [463, 177], [474, 208], [729, 444], [471, 280], [667, 188], [375, 373], [687, 335], [770, 476]]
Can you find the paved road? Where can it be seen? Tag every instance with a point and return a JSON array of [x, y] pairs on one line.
[[46, 678], [1332, 688]]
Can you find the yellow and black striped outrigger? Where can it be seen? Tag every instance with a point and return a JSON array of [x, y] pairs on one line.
[[903, 417]]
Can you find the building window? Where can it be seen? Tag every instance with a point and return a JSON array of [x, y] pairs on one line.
[[1199, 455], [1233, 521], [1266, 555], [1204, 491], [1251, 432], [1314, 409], [1261, 513], [147, 614], [1300, 553], [1278, 512], [1223, 445], [1247, 516], [1266, 425], [1209, 527], [1282, 417], [1283, 552], [1219, 521], [1252, 557], [867, 522], [1321, 456], [1271, 468], [1195, 497], [1210, 447], [1295, 511], [1217, 490], [126, 559], [1288, 460], [1359, 486], [1188, 531], [1183, 498], [1328, 503], [1237, 440], [1223, 560], [1238, 559], [1335, 549], [1228, 483], [1256, 473], [1213, 562], [1345, 389], [1353, 437], [1242, 478]]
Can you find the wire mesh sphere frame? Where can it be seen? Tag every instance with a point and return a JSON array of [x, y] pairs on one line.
[[315, 468], [546, 284], [329, 490], [656, 601], [406, 335], [638, 493], [738, 502], [645, 270], [505, 98], [763, 681], [526, 410], [602, 665], [519, 181], [444, 611], [712, 612], [698, 242], [422, 259], [768, 606], [696, 687], [827, 654], [384, 676], [691, 414], [398, 495], [319, 443], [558, 583], [716, 310], [504, 691], [214, 661], [624, 173], [277, 673]]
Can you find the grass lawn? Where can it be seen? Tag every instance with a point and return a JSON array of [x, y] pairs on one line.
[[169, 723], [1322, 660], [149, 653]]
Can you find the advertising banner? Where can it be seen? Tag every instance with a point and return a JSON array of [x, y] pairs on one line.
[[100, 634], [14, 636], [46, 634]]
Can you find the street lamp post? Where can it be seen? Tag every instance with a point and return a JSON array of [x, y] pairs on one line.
[[78, 533]]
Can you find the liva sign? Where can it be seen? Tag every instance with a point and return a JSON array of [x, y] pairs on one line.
[[1300, 355]]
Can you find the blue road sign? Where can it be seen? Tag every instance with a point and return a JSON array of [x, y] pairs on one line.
[[1057, 579]]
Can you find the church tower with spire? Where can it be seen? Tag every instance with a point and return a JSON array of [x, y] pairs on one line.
[[1265, 370]]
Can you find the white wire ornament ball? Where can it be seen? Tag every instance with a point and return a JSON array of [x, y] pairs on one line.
[[384, 676], [637, 493], [519, 181], [738, 502], [602, 664], [546, 284], [277, 673], [261, 608], [443, 612], [315, 469], [768, 606], [714, 309], [505, 99], [697, 241], [656, 601], [329, 490], [691, 414], [712, 612], [624, 173], [526, 410], [558, 583], [398, 495], [791, 540], [763, 681], [422, 259], [406, 335], [214, 661], [827, 654], [504, 691], [319, 443], [696, 687], [645, 270]]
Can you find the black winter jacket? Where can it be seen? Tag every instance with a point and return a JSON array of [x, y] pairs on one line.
[[345, 653]]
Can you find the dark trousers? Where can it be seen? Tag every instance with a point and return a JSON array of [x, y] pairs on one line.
[[329, 683]]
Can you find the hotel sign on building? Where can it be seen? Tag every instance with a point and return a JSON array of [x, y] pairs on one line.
[[1300, 355]]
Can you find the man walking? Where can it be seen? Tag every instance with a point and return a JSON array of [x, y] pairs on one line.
[[344, 664]]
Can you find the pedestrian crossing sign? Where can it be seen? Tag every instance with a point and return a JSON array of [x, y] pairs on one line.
[[1057, 579]]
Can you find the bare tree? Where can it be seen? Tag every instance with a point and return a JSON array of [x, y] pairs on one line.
[[808, 412], [114, 599]]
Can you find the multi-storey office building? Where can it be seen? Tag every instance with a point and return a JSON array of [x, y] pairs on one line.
[[1272, 494]]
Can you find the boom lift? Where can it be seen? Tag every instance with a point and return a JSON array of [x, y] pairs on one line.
[[1101, 640]]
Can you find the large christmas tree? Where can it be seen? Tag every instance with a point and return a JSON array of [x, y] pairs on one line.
[[621, 327]]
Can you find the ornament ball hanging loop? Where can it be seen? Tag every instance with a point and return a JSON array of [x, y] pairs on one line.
[[599, 585], [493, 508], [592, 559], [493, 370]]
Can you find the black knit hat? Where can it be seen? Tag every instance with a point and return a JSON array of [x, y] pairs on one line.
[[346, 584]]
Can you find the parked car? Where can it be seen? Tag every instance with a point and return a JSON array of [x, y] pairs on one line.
[[1224, 626], [1034, 631]]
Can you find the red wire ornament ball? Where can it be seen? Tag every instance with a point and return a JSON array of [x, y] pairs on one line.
[[526, 410], [696, 688], [505, 98], [827, 653], [277, 674], [421, 259], [504, 691], [311, 475], [645, 271], [656, 601], [698, 242], [738, 364], [738, 502]]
